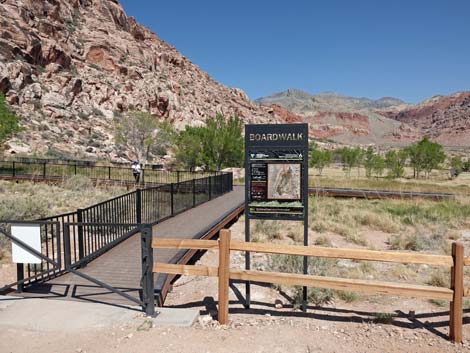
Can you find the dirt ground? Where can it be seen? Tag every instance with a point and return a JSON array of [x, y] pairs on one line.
[[271, 325]]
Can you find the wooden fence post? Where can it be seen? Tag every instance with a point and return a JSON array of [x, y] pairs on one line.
[[456, 306], [224, 275]]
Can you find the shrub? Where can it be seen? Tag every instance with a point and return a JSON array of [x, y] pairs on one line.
[[322, 241], [78, 183], [347, 296], [384, 318]]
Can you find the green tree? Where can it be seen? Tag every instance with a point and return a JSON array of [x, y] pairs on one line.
[[142, 134], [320, 159], [425, 156], [395, 162], [188, 148], [217, 145], [9, 122], [378, 165], [369, 160], [350, 158]]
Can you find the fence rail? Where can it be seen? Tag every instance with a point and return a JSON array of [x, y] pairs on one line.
[[454, 294]]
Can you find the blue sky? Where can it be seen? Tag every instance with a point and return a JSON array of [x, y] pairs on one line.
[[406, 49]]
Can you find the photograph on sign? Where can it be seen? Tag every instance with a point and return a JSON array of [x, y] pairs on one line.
[[284, 181], [30, 235]]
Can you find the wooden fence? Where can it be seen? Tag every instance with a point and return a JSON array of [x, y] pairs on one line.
[[454, 294]]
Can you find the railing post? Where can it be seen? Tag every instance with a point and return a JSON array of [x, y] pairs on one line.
[[148, 291], [75, 168], [177, 176], [20, 277], [194, 192], [456, 306], [210, 187], [109, 173], [67, 249], [81, 243], [224, 275], [44, 170], [138, 206], [14, 169], [172, 199], [143, 176]]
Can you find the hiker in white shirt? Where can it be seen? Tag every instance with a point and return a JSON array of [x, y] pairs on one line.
[[136, 171]]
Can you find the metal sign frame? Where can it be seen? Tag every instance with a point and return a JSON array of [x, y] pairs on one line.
[[267, 145]]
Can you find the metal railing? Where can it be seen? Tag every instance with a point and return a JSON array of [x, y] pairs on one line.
[[43, 170], [90, 230]]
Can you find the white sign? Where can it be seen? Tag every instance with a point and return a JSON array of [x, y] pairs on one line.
[[30, 235]]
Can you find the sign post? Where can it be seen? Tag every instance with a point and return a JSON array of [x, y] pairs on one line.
[[276, 179]]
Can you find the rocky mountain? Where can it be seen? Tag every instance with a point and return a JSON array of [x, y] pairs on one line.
[[68, 67], [445, 119], [305, 103], [345, 119], [386, 121]]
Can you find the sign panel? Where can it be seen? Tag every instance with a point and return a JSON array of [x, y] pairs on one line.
[[31, 235], [276, 171]]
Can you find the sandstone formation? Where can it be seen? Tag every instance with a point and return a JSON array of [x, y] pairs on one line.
[[386, 121], [68, 67], [345, 119], [445, 119]]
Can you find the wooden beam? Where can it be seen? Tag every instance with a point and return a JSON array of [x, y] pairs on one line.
[[188, 270], [224, 275], [354, 285], [457, 285], [197, 244], [352, 254]]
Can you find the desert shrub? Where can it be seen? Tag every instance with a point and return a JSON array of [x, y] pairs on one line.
[[439, 302], [414, 242], [267, 229], [347, 296], [384, 318], [316, 266], [78, 183], [322, 241], [439, 278], [24, 207]]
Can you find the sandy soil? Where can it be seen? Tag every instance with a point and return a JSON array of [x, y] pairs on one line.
[[271, 325]]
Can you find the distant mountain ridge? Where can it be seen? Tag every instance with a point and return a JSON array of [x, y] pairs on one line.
[[387, 120], [329, 101]]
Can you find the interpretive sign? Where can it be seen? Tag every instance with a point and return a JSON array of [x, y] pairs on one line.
[[276, 171], [276, 179]]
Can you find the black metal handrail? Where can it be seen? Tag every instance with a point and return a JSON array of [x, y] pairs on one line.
[[42, 170], [88, 235]]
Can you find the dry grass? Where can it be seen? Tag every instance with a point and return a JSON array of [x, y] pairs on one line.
[[438, 182], [412, 224], [29, 201]]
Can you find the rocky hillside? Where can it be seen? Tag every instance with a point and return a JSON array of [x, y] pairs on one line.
[[345, 119], [68, 67], [387, 121], [443, 118]]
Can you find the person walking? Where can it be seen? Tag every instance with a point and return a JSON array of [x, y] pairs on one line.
[[136, 171]]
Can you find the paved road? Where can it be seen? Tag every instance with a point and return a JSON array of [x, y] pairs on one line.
[[121, 266]]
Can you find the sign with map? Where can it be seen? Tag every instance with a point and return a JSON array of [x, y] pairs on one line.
[[276, 171]]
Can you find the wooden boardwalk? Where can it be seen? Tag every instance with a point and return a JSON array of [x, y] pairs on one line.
[[121, 267]]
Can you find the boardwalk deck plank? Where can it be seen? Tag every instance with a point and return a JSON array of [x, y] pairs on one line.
[[121, 266]]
